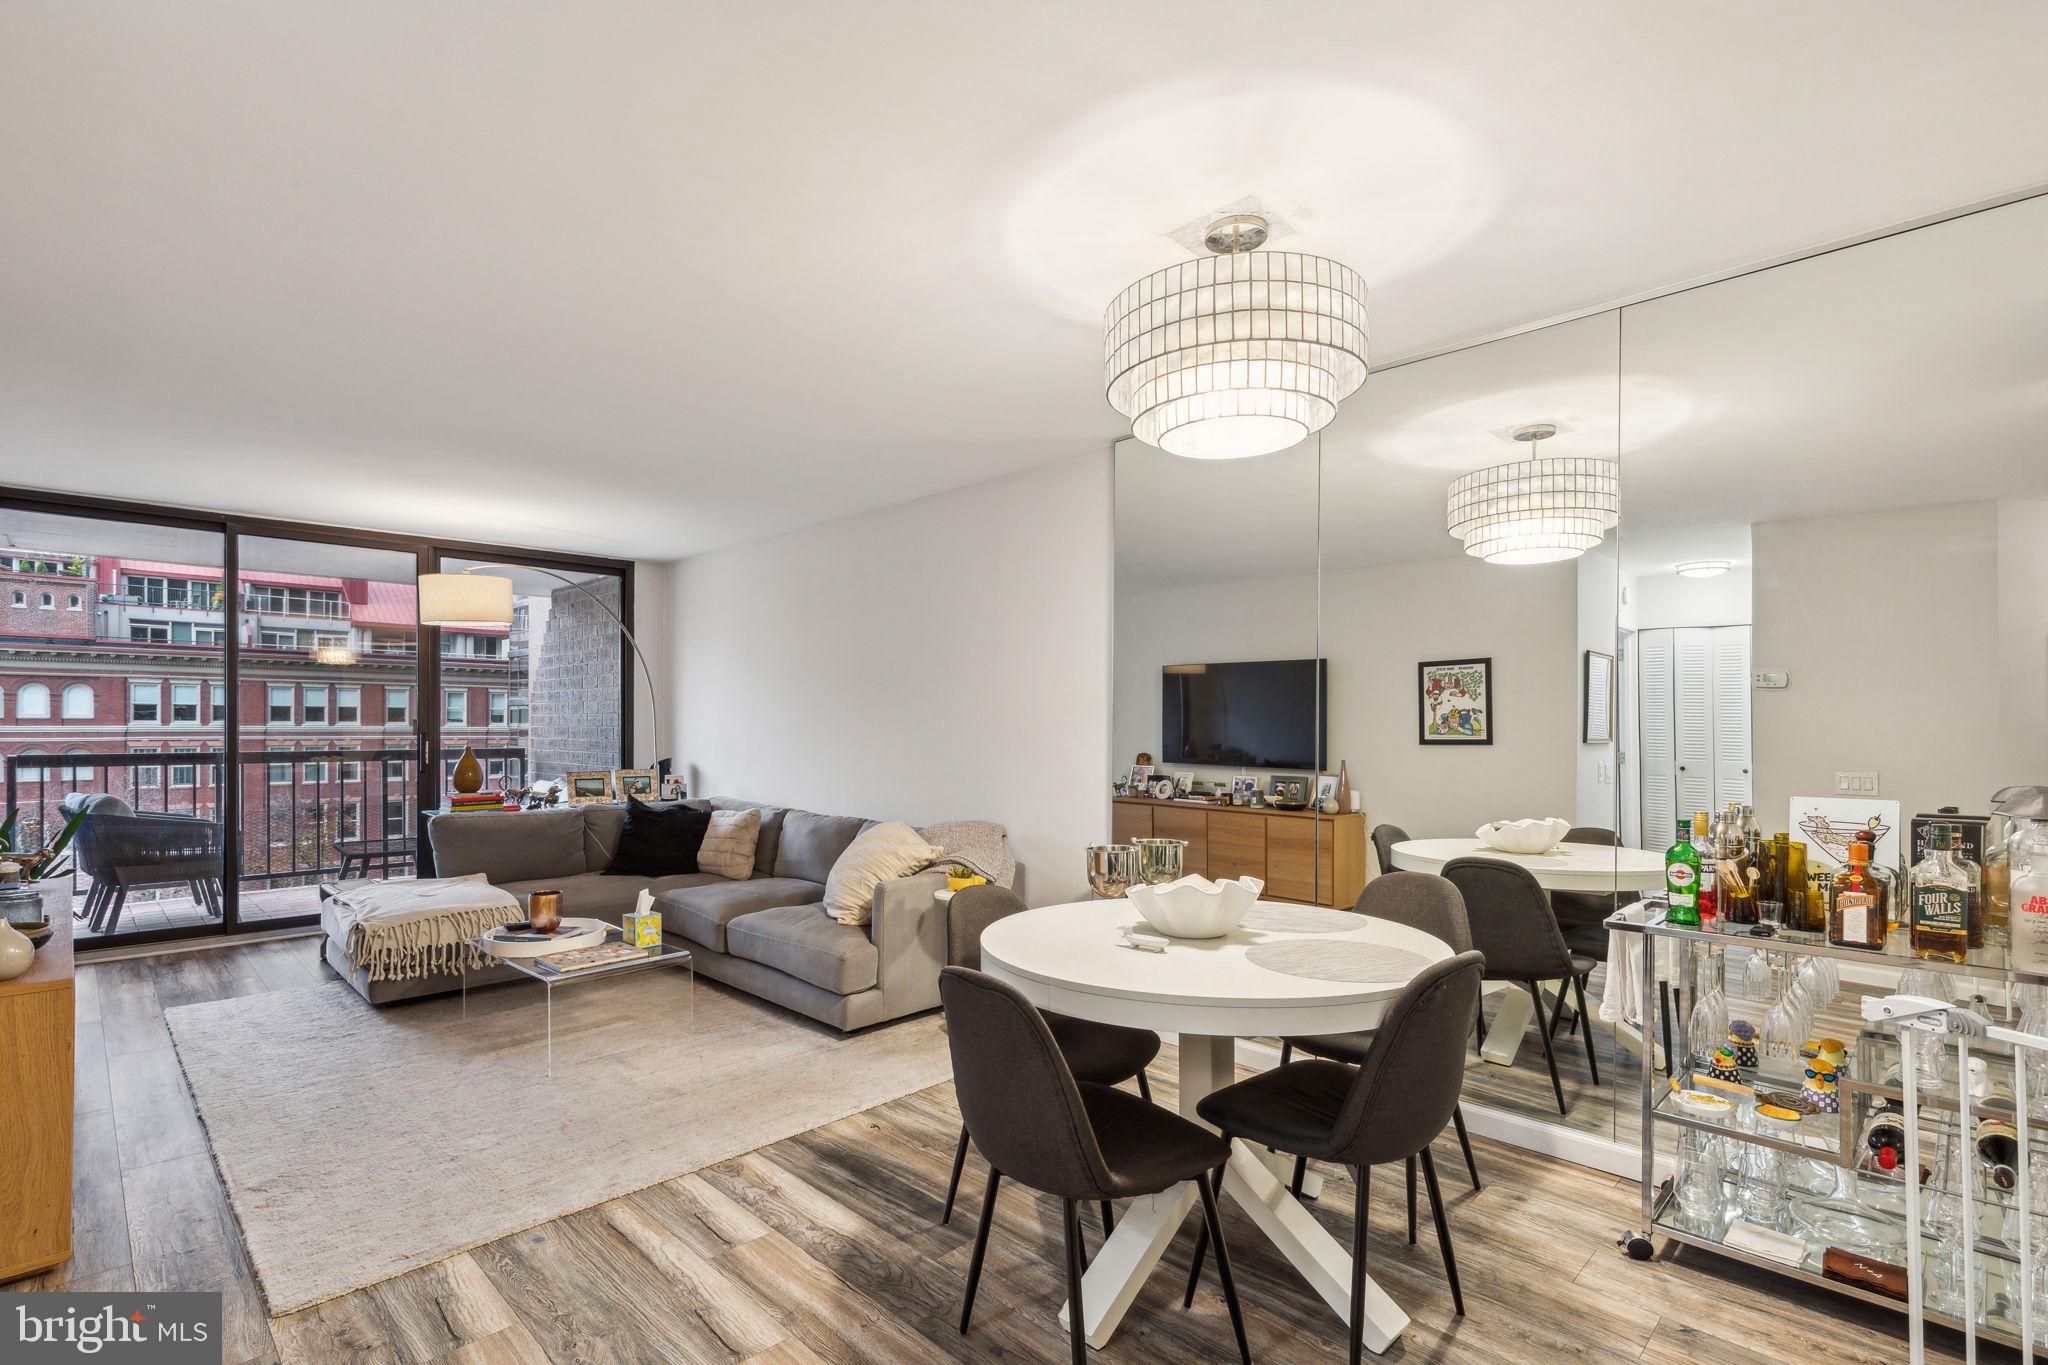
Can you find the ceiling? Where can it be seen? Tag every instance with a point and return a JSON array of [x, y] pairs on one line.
[[1901, 372], [646, 279]]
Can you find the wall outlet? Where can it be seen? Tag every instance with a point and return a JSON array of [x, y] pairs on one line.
[[1855, 784]]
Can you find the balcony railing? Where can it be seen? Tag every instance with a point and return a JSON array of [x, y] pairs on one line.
[[307, 815]]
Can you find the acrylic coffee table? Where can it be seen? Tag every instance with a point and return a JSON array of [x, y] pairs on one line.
[[661, 955]]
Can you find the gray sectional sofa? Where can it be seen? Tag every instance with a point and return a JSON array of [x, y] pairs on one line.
[[768, 935]]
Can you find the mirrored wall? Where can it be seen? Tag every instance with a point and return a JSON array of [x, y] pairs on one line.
[[1825, 606]]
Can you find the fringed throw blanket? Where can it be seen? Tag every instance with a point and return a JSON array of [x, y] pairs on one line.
[[405, 929], [979, 845]]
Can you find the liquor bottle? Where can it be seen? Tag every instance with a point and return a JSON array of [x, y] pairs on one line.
[[1682, 881], [1733, 865], [1998, 884], [1800, 905], [1939, 892], [1856, 903], [2029, 928], [1752, 834], [1703, 845], [1972, 873]]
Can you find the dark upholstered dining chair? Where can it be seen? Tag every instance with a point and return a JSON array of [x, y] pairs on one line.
[[1516, 931], [1389, 1109], [1042, 1128], [1099, 1054], [1384, 837], [1582, 915], [1420, 901]]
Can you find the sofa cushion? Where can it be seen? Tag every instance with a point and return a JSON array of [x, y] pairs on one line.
[[602, 822], [809, 945], [881, 853], [729, 844], [812, 843], [592, 895], [508, 846], [702, 912], [770, 840], [657, 841]]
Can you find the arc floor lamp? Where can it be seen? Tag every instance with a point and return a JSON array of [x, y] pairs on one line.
[[473, 597]]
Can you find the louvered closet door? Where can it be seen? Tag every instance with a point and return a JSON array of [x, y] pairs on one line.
[[1656, 746], [1731, 715], [1692, 718]]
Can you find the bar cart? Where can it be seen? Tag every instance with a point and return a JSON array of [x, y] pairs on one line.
[[1789, 1112]]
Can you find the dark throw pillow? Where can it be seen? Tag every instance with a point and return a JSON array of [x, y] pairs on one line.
[[658, 843]]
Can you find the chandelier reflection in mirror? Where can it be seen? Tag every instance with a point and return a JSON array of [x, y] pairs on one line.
[[1538, 510], [1241, 353]]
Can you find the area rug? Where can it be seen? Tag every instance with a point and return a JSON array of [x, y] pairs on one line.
[[358, 1143]]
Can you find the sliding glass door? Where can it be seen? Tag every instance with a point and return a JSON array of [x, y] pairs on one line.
[[227, 712]]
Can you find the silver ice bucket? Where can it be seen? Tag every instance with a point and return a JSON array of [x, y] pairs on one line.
[[1160, 860], [1112, 869]]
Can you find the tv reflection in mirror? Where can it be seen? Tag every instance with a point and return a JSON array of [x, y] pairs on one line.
[[1261, 714]]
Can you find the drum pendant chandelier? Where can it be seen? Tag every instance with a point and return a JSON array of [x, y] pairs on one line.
[[1536, 511], [1241, 353]]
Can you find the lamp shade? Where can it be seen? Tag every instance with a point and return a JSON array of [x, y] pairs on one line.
[[465, 599]]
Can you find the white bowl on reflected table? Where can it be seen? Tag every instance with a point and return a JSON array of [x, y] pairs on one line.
[[1195, 907], [1523, 836]]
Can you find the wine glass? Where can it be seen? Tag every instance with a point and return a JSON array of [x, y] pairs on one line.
[[1707, 1024], [1784, 1031]]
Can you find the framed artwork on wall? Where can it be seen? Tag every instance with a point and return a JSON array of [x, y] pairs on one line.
[[1454, 700], [1597, 689]]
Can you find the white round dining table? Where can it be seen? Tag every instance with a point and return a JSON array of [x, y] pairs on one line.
[[1595, 868], [1071, 959]]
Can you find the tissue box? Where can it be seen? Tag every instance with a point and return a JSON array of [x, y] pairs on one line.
[[641, 926]]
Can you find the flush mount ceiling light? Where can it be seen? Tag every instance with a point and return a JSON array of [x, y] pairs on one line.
[[1241, 353], [1535, 511], [1703, 568]]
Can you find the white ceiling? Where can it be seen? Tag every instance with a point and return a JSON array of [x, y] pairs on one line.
[[649, 278], [1897, 373]]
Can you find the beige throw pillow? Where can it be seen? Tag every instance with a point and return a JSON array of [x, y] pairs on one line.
[[887, 851], [729, 844]]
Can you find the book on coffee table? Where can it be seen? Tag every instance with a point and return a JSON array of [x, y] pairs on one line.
[[583, 959]]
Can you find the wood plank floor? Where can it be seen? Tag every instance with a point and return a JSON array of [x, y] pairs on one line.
[[826, 1248]]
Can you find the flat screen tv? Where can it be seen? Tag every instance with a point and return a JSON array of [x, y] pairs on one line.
[[1262, 714]]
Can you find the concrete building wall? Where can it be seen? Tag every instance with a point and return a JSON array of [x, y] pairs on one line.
[[575, 716]]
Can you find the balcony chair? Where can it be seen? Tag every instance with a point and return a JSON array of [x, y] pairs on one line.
[[122, 850]]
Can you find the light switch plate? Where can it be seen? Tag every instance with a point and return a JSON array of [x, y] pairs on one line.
[[1856, 784]]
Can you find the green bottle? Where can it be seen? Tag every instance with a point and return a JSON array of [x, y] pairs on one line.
[[1682, 880]]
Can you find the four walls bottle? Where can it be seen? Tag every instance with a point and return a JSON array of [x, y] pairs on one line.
[[1941, 892]]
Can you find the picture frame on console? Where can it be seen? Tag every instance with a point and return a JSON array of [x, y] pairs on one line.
[[589, 788], [1454, 701]]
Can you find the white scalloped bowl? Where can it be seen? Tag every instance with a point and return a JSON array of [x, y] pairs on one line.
[[1188, 909], [1524, 836]]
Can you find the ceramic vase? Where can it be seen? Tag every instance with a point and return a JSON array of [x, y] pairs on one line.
[[469, 774], [17, 954]]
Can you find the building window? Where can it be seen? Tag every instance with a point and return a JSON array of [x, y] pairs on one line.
[[149, 633], [498, 705], [23, 771], [150, 776], [20, 598], [397, 705], [184, 774], [46, 602], [145, 703], [348, 706], [32, 702], [209, 635], [394, 820], [351, 770], [280, 774], [74, 603], [218, 699], [80, 772], [185, 703], [516, 712], [454, 706], [317, 772], [78, 702], [152, 590], [313, 705], [280, 704], [293, 601], [494, 773]]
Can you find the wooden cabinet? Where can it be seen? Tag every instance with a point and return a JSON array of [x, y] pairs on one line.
[[1237, 844], [1300, 855], [36, 1020]]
